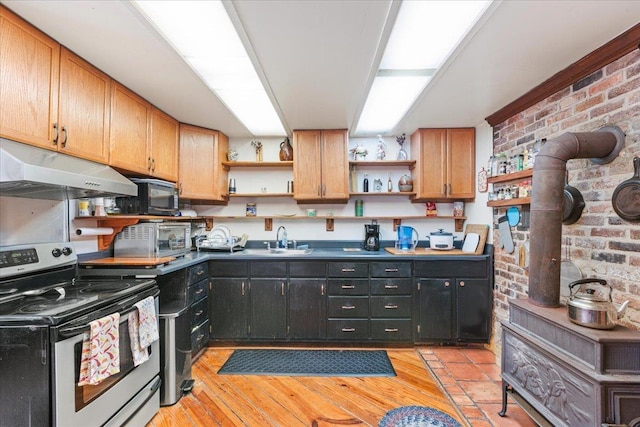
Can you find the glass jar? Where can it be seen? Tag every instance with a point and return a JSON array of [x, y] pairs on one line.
[[252, 209]]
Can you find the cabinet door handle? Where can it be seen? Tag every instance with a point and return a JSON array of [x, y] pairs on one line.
[[449, 189], [153, 165], [446, 284], [324, 190], [242, 288], [391, 286], [199, 312], [462, 284], [149, 162], [55, 139], [348, 307], [444, 189], [390, 307], [348, 270], [180, 191], [66, 135], [390, 270], [348, 286], [322, 289], [282, 288], [348, 329], [391, 329]]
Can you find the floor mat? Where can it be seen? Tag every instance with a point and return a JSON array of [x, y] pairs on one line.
[[327, 363], [414, 416]]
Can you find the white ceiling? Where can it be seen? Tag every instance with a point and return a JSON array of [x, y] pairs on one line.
[[318, 56]]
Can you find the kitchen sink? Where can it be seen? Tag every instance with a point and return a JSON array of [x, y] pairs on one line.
[[276, 252]]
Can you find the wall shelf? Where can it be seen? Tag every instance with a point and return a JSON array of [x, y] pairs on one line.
[[283, 164], [526, 173], [386, 163], [509, 202], [261, 195]]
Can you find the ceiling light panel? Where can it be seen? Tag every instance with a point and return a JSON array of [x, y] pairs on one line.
[[202, 33]]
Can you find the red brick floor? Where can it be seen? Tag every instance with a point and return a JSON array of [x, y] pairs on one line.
[[472, 379]]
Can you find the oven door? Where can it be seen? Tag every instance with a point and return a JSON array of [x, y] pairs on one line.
[[95, 404]]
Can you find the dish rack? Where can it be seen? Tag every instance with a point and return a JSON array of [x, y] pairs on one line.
[[230, 244]]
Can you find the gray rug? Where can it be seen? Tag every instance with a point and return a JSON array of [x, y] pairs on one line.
[[327, 363]]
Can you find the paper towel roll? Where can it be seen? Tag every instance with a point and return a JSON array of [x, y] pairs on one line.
[[94, 231]]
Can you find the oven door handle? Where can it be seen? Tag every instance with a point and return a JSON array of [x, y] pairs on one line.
[[75, 330]]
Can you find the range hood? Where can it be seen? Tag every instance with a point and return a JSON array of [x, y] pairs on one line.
[[35, 173]]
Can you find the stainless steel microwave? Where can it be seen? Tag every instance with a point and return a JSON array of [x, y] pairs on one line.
[[155, 197]]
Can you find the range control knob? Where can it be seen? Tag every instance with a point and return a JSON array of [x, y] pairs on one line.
[[67, 251], [56, 252]]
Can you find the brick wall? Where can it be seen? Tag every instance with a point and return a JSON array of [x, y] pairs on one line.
[[601, 244]]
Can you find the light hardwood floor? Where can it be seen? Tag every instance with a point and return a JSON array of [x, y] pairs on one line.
[[253, 400]]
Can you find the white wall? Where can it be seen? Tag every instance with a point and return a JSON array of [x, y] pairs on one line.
[[252, 180]]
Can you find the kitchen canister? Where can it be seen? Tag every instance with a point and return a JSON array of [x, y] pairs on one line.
[[84, 207], [359, 207], [252, 210]]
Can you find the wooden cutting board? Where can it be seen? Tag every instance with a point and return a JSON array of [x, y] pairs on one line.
[[128, 262], [425, 251], [483, 231]]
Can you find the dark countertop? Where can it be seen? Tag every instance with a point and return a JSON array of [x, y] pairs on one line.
[[327, 253]]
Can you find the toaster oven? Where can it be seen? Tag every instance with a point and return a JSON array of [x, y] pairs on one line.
[[153, 240]]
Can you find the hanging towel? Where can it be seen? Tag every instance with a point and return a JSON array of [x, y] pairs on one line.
[[143, 329], [100, 350]]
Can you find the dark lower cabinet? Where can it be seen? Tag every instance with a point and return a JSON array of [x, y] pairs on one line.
[[307, 309], [435, 305], [229, 308], [268, 318], [473, 310]]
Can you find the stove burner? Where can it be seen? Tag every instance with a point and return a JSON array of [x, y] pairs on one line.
[[41, 306], [104, 287]]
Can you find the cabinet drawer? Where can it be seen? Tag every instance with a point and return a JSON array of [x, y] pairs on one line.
[[391, 329], [228, 268], [348, 287], [199, 338], [348, 329], [391, 286], [198, 291], [392, 306], [348, 269], [199, 312], [195, 273], [268, 268], [391, 269], [463, 268], [348, 307], [308, 269]]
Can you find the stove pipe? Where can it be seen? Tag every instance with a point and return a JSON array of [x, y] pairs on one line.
[[547, 203]]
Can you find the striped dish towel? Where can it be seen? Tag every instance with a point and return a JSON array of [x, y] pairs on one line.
[[100, 350]]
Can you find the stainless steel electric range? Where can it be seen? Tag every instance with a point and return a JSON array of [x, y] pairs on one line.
[[44, 313]]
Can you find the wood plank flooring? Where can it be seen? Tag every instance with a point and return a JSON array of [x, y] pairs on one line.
[[254, 400]]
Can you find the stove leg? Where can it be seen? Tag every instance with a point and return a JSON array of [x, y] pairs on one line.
[[505, 388]]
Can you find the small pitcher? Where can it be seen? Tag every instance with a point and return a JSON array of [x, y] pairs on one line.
[[407, 237]]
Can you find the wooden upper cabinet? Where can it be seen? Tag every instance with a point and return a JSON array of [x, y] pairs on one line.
[[165, 136], [320, 166], [84, 109], [445, 164], [129, 131], [29, 73], [201, 175]]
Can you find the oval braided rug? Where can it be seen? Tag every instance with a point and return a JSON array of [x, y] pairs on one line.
[[417, 416]]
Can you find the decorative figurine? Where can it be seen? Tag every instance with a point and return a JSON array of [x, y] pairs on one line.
[[402, 154], [258, 146], [381, 152]]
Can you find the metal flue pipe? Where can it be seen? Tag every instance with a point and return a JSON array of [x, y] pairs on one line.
[[547, 203]]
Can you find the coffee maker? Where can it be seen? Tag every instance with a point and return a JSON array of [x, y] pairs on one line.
[[372, 236]]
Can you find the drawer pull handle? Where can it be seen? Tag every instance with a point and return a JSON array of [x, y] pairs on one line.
[[391, 307], [348, 270], [348, 286], [199, 291], [199, 313], [200, 337], [200, 272], [462, 284], [391, 286], [348, 307], [391, 329], [390, 270], [348, 329]]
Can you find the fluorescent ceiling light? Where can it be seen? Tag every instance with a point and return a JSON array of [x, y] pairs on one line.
[[203, 34], [423, 36]]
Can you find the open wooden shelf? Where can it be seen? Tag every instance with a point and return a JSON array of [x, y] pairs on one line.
[[260, 195], [283, 164], [526, 173], [384, 193], [510, 202], [406, 163]]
